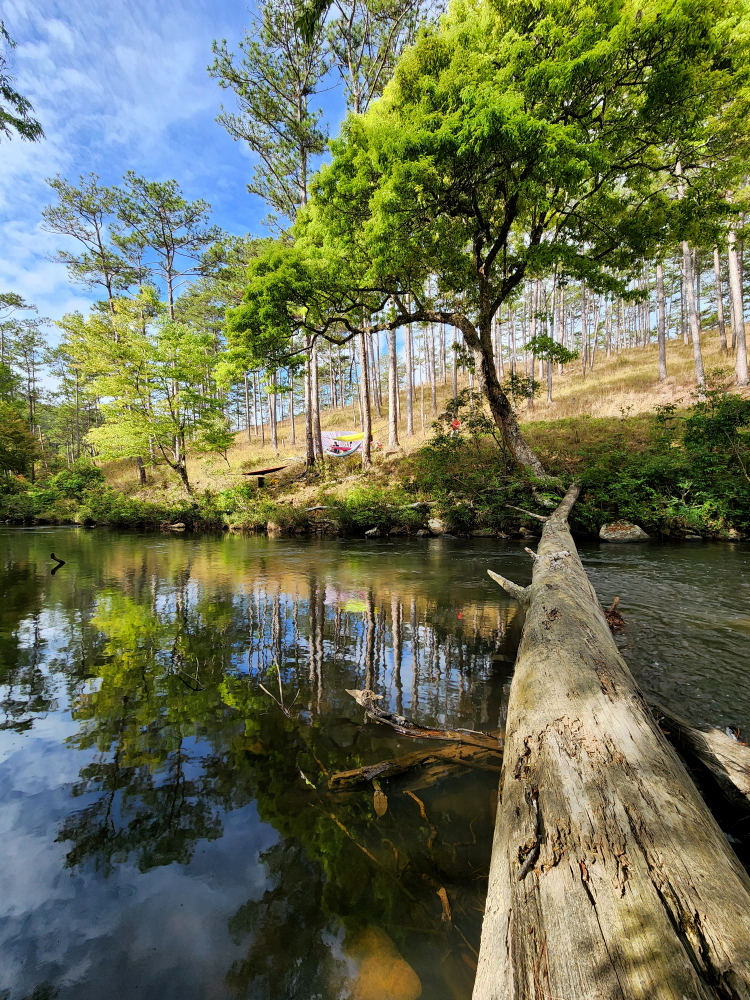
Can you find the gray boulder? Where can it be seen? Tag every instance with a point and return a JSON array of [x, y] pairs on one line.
[[622, 531], [372, 533], [437, 526]]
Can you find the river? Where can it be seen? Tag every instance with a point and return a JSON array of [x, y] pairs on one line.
[[174, 706]]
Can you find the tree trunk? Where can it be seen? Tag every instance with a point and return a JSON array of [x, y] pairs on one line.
[[738, 310], [291, 408], [504, 416], [315, 393], [364, 396], [661, 321], [141, 470], [375, 374], [720, 302], [409, 379], [433, 376], [309, 439], [392, 391], [609, 876], [247, 407], [272, 415], [695, 326]]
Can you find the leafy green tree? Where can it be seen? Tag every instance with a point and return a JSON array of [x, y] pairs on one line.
[[549, 350], [273, 78], [15, 109], [155, 381], [18, 447], [512, 139]]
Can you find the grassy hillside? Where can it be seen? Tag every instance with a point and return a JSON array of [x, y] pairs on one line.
[[629, 438]]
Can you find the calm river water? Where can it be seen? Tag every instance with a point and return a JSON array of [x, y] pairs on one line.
[[168, 831]]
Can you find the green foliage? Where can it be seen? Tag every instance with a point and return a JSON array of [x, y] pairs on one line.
[[548, 349], [73, 483], [18, 447], [519, 387]]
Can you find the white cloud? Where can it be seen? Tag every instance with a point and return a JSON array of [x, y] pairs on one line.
[[117, 86]]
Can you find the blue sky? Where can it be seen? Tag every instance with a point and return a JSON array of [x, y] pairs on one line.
[[119, 86]]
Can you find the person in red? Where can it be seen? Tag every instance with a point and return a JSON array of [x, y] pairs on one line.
[[455, 426]]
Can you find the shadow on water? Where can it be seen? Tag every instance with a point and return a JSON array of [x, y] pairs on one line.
[[173, 827]]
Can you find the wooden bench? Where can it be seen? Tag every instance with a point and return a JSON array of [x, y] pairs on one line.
[[262, 473]]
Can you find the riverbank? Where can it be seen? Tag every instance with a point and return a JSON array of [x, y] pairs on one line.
[[648, 468]]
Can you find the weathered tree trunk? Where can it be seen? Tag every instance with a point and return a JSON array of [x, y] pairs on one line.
[[661, 321], [725, 757], [609, 876]]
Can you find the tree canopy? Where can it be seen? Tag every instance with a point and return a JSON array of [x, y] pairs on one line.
[[514, 138]]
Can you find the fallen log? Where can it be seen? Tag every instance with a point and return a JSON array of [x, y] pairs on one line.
[[724, 757], [471, 737], [459, 756], [609, 876]]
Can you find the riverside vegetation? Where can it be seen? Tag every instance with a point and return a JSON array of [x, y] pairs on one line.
[[679, 467]]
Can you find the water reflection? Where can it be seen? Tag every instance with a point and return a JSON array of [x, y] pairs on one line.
[[168, 830], [167, 660]]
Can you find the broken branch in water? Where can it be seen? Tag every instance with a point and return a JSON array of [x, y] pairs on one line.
[[521, 594], [614, 619], [466, 756], [369, 701]]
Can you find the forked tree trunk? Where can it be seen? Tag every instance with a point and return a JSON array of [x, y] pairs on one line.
[[609, 876]]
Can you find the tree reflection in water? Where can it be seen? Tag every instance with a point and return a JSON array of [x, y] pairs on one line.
[[170, 701]]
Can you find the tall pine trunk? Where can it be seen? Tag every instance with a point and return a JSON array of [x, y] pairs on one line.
[[309, 438], [695, 327], [738, 310], [720, 302], [661, 326], [364, 396], [392, 391], [409, 387], [315, 393]]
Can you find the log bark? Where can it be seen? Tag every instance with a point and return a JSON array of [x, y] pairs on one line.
[[725, 758], [609, 876]]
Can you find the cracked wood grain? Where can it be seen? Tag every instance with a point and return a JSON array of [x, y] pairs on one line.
[[633, 891]]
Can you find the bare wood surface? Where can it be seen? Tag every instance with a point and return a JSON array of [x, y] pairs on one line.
[[369, 701], [458, 755], [609, 876], [726, 758]]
